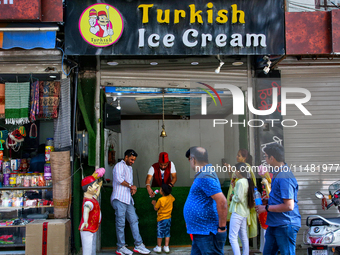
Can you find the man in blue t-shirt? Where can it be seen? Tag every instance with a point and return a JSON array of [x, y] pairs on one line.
[[205, 210], [283, 219]]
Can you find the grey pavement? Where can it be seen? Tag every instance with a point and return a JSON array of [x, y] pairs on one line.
[[175, 250], [185, 250]]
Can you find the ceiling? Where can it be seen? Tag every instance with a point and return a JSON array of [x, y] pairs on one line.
[[138, 83], [175, 104]]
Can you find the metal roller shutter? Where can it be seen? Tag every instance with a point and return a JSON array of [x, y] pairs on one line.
[[315, 140], [30, 61]]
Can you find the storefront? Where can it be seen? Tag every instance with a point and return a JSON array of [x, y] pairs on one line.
[[142, 51], [312, 146], [28, 58]]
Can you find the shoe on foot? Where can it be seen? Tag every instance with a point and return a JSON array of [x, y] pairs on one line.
[[157, 249], [124, 251], [141, 249], [166, 249]]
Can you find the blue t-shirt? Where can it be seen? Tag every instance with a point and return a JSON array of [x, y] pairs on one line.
[[200, 211], [284, 186]]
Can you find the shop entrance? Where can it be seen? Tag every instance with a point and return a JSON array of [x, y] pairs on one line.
[[140, 113]]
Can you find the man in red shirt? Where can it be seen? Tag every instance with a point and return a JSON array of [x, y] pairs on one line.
[[163, 171]]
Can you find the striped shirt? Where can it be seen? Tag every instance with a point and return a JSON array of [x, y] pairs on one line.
[[122, 172]]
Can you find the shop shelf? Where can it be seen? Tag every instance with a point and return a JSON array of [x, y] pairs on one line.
[[11, 245], [15, 226], [24, 207], [26, 188]]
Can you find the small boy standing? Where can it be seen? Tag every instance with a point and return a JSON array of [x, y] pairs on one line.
[[164, 208]]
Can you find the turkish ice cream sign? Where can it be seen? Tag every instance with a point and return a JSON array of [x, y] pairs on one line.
[[177, 27], [96, 25]]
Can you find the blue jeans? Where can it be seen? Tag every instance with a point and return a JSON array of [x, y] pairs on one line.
[[124, 211], [163, 228], [209, 244], [281, 239]]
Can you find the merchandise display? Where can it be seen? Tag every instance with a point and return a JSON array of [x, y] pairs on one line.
[[28, 109], [14, 174], [20, 198], [25, 189]]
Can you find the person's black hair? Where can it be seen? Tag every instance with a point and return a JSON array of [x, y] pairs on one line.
[[245, 153], [86, 186], [244, 170], [187, 154], [276, 150], [130, 153], [241, 166], [199, 153], [166, 189]]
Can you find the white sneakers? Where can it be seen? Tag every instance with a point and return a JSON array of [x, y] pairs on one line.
[[141, 249], [124, 251], [159, 249], [166, 249]]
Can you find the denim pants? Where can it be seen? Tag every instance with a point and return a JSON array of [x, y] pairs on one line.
[[281, 239], [238, 227], [124, 211], [209, 244]]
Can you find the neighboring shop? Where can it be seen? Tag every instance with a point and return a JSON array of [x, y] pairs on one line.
[[31, 87], [144, 54], [312, 147]]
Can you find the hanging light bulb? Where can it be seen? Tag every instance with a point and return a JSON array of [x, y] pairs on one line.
[[118, 105], [218, 69], [163, 133]]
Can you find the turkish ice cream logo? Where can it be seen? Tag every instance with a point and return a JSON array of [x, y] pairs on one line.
[[101, 25]]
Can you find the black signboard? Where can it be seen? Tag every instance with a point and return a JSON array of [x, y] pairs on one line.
[[177, 27]]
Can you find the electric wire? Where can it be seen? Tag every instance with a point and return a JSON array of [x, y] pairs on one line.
[[62, 63], [302, 6]]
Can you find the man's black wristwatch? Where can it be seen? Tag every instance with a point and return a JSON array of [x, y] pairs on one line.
[[221, 228], [267, 207]]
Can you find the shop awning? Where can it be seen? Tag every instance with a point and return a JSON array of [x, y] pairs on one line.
[[27, 37]]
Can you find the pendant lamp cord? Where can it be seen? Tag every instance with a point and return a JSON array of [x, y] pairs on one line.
[[163, 108]]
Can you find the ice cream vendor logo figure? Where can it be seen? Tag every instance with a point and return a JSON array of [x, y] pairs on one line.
[[91, 214], [101, 25]]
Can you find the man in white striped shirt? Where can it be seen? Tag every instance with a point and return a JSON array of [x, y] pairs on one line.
[[123, 204]]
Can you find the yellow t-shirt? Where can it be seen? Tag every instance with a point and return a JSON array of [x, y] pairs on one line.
[[164, 206]]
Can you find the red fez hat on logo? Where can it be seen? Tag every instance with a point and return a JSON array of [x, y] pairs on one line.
[[87, 180], [102, 13], [93, 12], [163, 158]]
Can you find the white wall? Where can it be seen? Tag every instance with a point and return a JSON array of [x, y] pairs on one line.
[[232, 144], [144, 137]]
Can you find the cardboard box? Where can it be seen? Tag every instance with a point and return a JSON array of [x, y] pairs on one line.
[[58, 236]]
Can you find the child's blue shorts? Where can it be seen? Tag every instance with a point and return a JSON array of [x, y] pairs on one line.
[[163, 228]]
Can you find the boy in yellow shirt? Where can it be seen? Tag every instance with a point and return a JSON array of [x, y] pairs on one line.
[[164, 208]]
